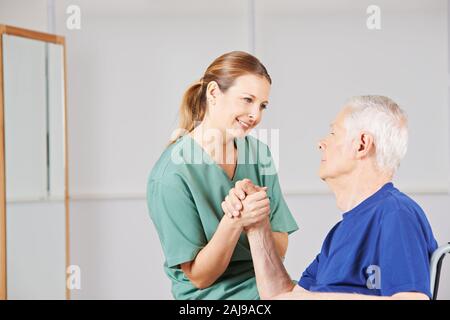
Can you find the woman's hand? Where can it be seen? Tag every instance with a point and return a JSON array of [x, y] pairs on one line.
[[246, 204], [232, 205]]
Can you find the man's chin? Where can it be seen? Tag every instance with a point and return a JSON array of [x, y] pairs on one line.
[[322, 175]]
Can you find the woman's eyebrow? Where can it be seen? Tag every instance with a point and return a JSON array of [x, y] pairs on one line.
[[254, 97]]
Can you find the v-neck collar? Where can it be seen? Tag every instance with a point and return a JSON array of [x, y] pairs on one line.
[[210, 160]]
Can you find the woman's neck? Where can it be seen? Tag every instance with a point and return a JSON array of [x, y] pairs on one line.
[[219, 146]]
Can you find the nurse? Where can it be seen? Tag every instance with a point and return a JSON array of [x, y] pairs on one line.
[[207, 253]]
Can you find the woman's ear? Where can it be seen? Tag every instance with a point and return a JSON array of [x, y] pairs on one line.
[[365, 145], [212, 90]]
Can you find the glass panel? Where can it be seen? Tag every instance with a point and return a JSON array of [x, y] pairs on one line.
[[35, 176]]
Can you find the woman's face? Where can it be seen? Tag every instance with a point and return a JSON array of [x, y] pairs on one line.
[[239, 109]]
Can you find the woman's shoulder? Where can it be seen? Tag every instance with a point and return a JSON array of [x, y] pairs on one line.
[[169, 166]]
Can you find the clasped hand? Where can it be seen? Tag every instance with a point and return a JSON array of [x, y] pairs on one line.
[[247, 205]]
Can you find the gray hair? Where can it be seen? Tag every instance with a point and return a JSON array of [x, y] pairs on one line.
[[386, 121]]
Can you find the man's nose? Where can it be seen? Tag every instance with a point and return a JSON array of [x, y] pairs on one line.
[[321, 145]]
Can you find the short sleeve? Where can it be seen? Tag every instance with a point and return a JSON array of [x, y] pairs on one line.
[[176, 219], [309, 276], [404, 257], [281, 218]]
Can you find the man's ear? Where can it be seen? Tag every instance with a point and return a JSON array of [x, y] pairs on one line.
[[365, 145]]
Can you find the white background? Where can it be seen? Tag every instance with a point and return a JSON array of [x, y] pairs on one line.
[[131, 61]]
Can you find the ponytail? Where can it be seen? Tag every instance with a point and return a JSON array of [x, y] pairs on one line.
[[192, 109]]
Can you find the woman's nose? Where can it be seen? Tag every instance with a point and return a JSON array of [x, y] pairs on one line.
[[253, 117], [255, 114]]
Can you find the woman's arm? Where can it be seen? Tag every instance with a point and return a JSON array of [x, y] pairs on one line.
[[211, 262]]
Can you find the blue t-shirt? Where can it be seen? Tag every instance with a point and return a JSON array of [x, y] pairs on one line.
[[381, 247]]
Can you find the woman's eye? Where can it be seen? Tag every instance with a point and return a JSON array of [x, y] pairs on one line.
[[264, 106], [248, 100]]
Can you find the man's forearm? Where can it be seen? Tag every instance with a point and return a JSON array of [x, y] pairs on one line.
[[308, 295], [298, 293], [271, 277]]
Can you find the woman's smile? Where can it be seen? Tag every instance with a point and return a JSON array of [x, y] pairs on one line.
[[242, 124]]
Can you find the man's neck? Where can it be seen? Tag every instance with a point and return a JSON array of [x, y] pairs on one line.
[[350, 190]]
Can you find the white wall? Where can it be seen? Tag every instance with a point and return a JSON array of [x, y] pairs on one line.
[[112, 118], [24, 13], [36, 250], [327, 54]]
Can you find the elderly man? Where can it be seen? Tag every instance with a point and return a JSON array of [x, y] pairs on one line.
[[381, 247]]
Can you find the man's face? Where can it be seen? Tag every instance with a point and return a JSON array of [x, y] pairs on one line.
[[337, 151]]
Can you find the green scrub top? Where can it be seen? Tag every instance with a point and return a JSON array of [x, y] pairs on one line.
[[185, 190]]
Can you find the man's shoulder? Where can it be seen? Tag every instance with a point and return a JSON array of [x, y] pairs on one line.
[[395, 199], [397, 205]]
